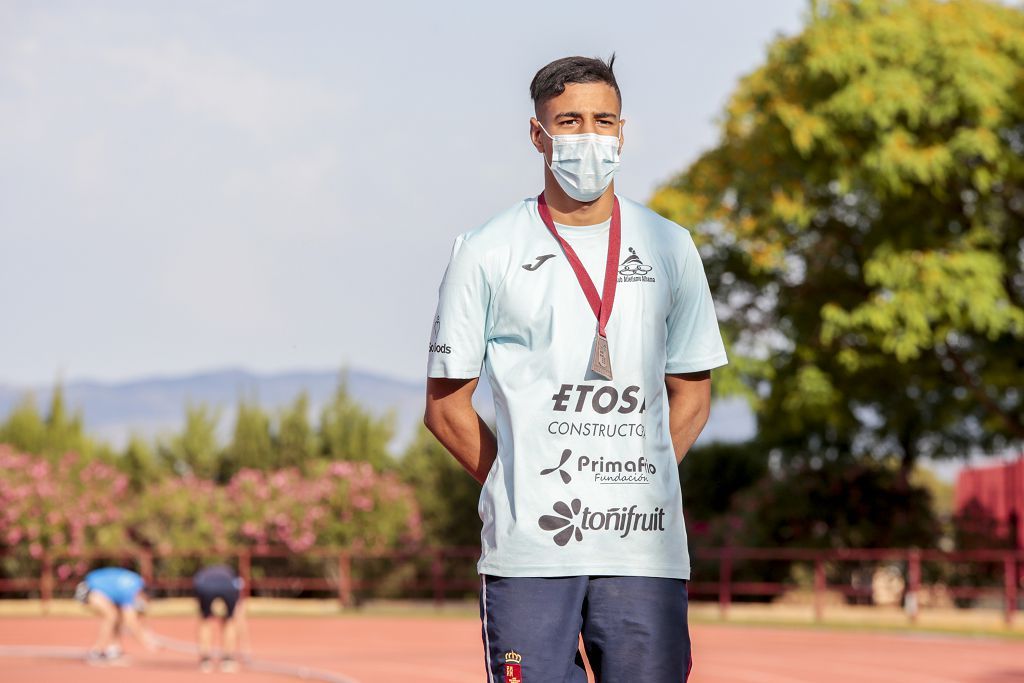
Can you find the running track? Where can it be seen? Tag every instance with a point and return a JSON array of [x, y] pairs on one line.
[[385, 650]]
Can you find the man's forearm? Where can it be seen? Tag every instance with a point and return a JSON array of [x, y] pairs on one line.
[[686, 422], [689, 405], [466, 436]]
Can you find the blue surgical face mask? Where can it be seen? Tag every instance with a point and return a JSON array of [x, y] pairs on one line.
[[584, 164]]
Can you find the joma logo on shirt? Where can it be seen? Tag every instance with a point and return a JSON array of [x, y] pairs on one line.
[[538, 263], [572, 519], [602, 401]]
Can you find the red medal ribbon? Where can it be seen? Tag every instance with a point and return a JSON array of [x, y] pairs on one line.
[[602, 306]]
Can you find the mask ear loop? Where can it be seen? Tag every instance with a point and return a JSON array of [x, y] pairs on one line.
[[542, 154]]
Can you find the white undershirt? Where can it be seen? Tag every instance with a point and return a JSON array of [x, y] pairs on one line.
[[590, 242]]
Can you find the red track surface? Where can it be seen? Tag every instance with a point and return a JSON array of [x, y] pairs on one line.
[[386, 650]]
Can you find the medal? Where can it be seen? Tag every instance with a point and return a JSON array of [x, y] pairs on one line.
[[601, 357], [602, 363]]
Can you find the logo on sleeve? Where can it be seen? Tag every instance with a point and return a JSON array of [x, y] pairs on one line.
[[541, 260], [634, 270], [434, 347]]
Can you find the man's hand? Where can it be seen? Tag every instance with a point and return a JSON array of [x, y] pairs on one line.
[[689, 404], [451, 418]]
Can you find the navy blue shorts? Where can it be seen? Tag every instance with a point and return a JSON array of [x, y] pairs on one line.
[[633, 628], [209, 589]]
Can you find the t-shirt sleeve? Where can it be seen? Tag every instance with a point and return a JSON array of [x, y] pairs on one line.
[[694, 342], [458, 336]]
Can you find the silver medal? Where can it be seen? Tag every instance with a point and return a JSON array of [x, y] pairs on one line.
[[602, 364]]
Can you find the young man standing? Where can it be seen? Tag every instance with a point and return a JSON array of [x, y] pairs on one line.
[[594, 321]]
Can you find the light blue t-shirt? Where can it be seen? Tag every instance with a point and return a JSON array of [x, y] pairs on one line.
[[585, 481], [120, 585]]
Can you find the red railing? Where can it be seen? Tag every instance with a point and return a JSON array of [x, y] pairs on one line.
[[431, 573], [1011, 562], [344, 583]]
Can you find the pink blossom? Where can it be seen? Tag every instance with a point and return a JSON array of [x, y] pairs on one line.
[[90, 506], [340, 469]]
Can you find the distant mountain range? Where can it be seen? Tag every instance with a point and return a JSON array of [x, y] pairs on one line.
[[154, 406]]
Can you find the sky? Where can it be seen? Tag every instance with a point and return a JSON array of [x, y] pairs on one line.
[[275, 186]]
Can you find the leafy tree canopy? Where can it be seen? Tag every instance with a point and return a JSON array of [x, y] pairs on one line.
[[862, 224]]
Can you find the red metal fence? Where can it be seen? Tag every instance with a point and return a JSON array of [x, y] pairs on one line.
[[441, 573], [1008, 563]]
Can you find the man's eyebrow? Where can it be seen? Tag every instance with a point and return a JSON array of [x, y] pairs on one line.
[[578, 115]]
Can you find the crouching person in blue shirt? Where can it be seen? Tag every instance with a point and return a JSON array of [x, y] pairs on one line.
[[116, 596]]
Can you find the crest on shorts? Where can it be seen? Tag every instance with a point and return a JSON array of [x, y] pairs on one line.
[[513, 667]]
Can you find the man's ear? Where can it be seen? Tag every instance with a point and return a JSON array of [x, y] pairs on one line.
[[622, 135], [536, 134]]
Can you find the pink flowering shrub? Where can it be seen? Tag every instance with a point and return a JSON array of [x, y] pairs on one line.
[[74, 507], [66, 507], [339, 504], [181, 514], [63, 508]]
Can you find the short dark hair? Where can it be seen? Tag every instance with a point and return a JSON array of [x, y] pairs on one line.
[[552, 79]]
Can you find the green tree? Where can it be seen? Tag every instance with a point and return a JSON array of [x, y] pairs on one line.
[[446, 493], [824, 505], [195, 450], [830, 505], [64, 428], [296, 440], [60, 431], [861, 220], [349, 432], [24, 428], [251, 444], [712, 475], [140, 463]]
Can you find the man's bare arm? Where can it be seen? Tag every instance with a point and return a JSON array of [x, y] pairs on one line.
[[451, 417], [689, 404]]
